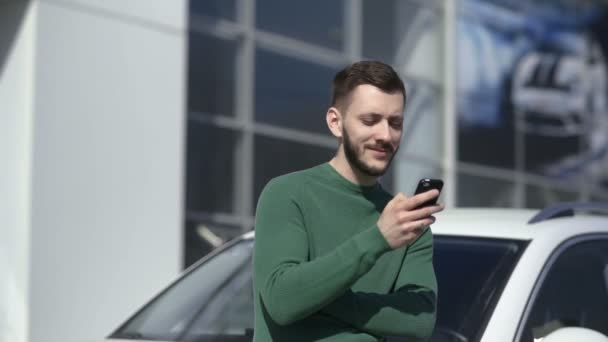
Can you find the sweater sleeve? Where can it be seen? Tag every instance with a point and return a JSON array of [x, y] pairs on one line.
[[409, 312], [291, 286]]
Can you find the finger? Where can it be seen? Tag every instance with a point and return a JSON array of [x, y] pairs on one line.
[[424, 212], [397, 199], [433, 209], [419, 199], [418, 226]]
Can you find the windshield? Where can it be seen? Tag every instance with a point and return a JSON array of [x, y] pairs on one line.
[[214, 302], [214, 299], [471, 274]]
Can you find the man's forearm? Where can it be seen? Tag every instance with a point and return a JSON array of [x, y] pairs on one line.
[[409, 312], [292, 290]]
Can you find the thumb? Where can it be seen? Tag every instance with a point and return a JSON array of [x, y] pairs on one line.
[[399, 197]]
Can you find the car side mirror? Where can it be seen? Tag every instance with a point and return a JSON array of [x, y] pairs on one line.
[[569, 334]]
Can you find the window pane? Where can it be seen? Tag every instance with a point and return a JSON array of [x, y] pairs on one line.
[[314, 21], [379, 29], [209, 168], [486, 126], [423, 121], [540, 197], [574, 292], [291, 93], [476, 191], [546, 91], [554, 156], [202, 236], [407, 34], [599, 197], [224, 9], [275, 157], [230, 310], [211, 74], [487, 146], [167, 316], [471, 274]]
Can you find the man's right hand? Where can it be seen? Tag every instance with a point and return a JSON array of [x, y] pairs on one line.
[[401, 224]]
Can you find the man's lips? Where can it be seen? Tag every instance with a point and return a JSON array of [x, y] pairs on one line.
[[380, 150]]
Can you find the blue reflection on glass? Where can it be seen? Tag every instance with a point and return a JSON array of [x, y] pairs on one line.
[[314, 21], [291, 93]]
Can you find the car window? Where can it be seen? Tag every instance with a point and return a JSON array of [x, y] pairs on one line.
[[573, 293], [471, 274], [229, 312], [188, 304]]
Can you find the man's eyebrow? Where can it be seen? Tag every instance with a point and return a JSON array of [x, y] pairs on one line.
[[372, 114]]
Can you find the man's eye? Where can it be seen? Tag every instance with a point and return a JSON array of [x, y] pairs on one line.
[[368, 122], [396, 124]]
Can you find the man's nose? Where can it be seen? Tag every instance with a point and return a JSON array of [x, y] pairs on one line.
[[383, 131]]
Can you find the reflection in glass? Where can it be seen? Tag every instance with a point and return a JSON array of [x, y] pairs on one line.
[[209, 167], [203, 236], [211, 73], [224, 9], [407, 34], [291, 93], [471, 274], [379, 29], [572, 294], [177, 312], [600, 197], [477, 191], [314, 21], [522, 91], [423, 121], [540, 197]]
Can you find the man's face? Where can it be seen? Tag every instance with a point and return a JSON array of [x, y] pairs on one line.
[[371, 130]]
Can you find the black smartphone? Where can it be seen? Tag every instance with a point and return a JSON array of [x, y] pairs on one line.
[[425, 185]]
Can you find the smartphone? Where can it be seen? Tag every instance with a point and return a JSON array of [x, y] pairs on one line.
[[425, 185]]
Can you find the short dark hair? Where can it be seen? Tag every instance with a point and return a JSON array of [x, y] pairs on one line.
[[375, 73]]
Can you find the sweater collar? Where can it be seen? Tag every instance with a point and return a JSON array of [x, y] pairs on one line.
[[336, 176]]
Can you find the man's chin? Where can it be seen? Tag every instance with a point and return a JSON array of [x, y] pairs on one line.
[[376, 170]]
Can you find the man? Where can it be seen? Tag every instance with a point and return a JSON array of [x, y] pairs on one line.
[[336, 257]]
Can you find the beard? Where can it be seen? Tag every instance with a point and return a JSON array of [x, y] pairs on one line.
[[355, 159]]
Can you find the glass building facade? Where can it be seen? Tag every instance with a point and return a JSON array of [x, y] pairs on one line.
[[482, 79]]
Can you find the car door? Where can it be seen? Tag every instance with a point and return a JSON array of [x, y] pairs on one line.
[[572, 290]]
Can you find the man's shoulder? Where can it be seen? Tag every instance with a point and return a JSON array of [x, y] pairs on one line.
[[292, 182]]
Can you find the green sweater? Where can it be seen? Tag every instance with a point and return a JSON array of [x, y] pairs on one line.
[[324, 272]]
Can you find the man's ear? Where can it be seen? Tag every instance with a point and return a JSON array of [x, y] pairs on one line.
[[334, 120]]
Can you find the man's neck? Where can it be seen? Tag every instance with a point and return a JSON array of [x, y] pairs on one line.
[[344, 168]]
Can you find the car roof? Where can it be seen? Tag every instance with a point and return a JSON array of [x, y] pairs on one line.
[[484, 222], [510, 223]]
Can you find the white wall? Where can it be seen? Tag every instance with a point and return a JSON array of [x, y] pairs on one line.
[[107, 162], [16, 60]]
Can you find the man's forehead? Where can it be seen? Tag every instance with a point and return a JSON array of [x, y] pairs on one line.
[[381, 106]]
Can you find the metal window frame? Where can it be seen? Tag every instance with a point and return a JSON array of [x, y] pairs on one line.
[[248, 38]]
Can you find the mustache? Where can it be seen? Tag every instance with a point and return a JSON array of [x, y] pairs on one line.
[[382, 146]]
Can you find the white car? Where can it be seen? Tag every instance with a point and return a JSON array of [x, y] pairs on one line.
[[503, 275]]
